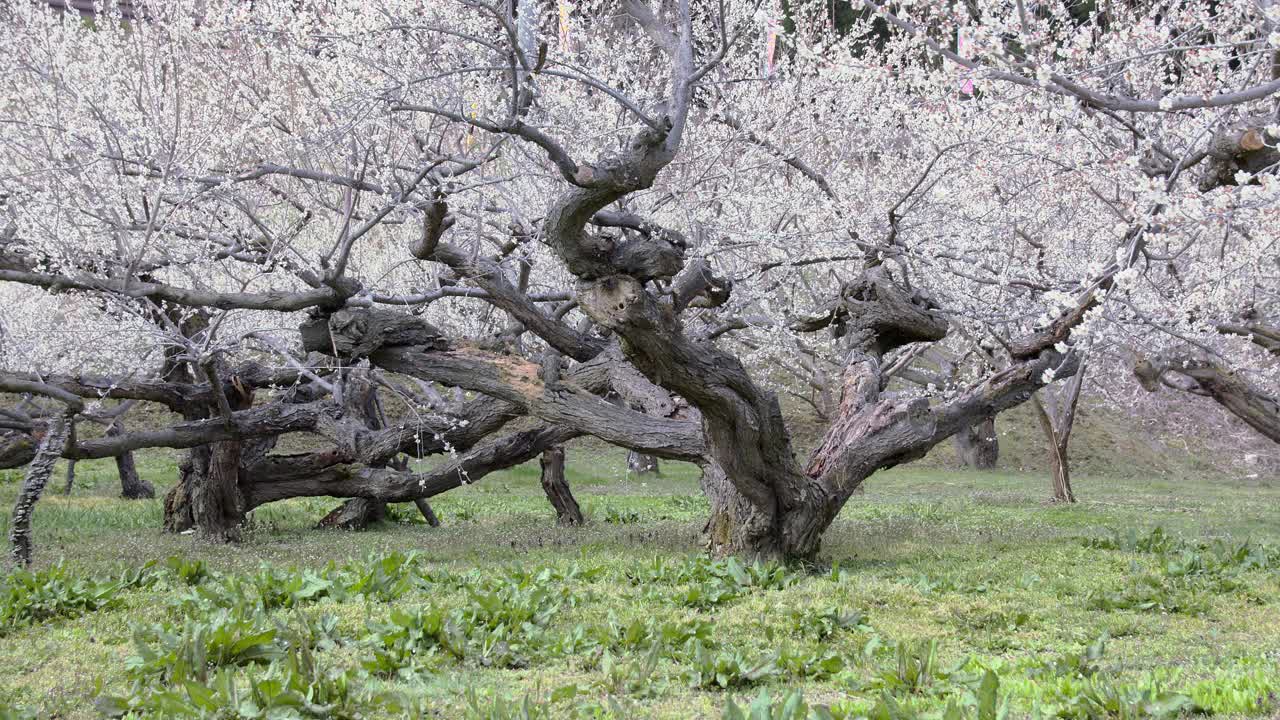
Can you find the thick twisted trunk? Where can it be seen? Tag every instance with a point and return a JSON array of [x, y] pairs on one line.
[[210, 495], [355, 514]]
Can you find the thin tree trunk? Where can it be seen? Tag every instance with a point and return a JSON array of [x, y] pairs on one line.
[[1057, 416], [71, 477], [428, 514], [38, 473], [132, 486], [1062, 476], [557, 488], [639, 463]]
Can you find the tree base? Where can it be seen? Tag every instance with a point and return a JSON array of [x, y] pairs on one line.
[[355, 514]]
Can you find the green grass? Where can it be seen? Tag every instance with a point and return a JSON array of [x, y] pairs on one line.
[[935, 578]]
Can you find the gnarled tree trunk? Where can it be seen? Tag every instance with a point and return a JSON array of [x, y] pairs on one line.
[[977, 445], [209, 496], [556, 487], [1201, 376]]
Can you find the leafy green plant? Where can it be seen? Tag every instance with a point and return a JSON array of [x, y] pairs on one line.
[[1082, 664], [1157, 540], [384, 578], [643, 633], [187, 571], [827, 622], [791, 706], [410, 639], [286, 588], [13, 712], [29, 597], [915, 669], [291, 687], [500, 707], [726, 668], [1102, 698], [1255, 692], [635, 677], [705, 595], [1151, 593], [191, 649], [809, 662], [616, 516]]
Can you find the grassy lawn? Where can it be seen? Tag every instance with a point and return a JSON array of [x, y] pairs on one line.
[[943, 593]]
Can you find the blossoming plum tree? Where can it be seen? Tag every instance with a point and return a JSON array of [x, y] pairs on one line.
[[408, 228]]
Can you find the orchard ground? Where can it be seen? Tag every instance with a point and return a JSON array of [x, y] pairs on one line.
[[933, 583]]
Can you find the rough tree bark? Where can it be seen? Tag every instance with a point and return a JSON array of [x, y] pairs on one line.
[[33, 484], [1057, 415], [355, 514], [71, 477], [209, 496], [556, 487]]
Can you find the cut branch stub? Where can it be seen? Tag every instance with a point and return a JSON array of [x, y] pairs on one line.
[[1246, 147]]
